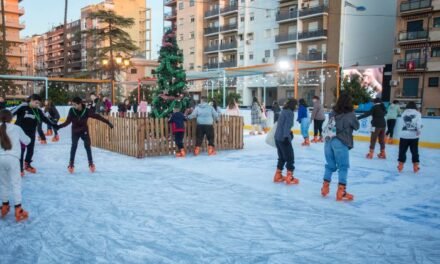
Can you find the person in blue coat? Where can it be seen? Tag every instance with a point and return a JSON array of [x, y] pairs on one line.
[[303, 119], [283, 142]]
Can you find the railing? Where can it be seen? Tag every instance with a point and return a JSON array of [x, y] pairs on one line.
[[313, 34], [314, 56], [226, 46], [229, 27], [415, 5], [211, 65], [213, 12], [211, 30], [413, 35], [287, 14], [170, 15], [139, 136], [313, 10], [416, 64], [211, 48], [229, 8], [285, 37], [228, 64]]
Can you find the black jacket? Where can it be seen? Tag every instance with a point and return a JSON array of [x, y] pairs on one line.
[[79, 120], [28, 118], [53, 113], [378, 112]]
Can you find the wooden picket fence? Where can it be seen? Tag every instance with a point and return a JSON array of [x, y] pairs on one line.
[[139, 136]]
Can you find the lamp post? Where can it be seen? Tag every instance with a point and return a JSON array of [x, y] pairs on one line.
[[115, 61]]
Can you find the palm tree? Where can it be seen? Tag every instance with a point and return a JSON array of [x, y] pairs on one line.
[[66, 4]]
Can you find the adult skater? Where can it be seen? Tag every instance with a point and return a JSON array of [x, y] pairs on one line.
[[78, 116], [11, 138], [29, 115], [393, 113], [318, 118], [378, 126], [409, 136]]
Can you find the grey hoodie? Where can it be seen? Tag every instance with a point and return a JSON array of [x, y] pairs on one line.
[[318, 111], [205, 114], [345, 124]]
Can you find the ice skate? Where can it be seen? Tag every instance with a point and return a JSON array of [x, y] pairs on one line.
[[370, 154], [92, 168], [29, 168], [278, 176], [56, 138], [181, 154], [306, 142], [400, 167], [325, 188], [49, 132], [43, 142], [315, 139], [342, 195], [71, 168], [211, 151], [5, 209], [290, 180], [196, 151], [20, 214], [416, 167], [382, 155]]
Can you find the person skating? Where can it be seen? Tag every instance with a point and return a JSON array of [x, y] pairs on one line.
[[52, 114], [256, 114], [11, 139], [338, 142], [378, 126], [318, 118], [409, 136], [303, 119], [276, 111], [78, 116], [393, 113], [2, 103], [177, 121], [283, 142], [29, 115], [205, 116]]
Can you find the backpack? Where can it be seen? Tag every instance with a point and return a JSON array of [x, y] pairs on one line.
[[329, 130]]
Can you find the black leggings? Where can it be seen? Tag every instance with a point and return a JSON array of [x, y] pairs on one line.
[[203, 130], [391, 123], [317, 127], [178, 138], [29, 149], [75, 138]]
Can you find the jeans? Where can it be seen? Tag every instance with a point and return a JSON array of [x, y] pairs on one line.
[[285, 155], [178, 138], [413, 145], [391, 123], [317, 127], [75, 138], [378, 133], [337, 158], [305, 127]]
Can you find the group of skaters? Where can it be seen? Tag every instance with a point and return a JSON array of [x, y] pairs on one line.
[[338, 137]]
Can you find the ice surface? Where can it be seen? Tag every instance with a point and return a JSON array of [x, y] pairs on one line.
[[223, 209]]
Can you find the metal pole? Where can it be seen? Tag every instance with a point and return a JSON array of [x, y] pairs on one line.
[[224, 88], [46, 84], [322, 78], [264, 92]]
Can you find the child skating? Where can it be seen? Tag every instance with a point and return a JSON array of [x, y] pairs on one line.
[[78, 116], [409, 136], [303, 119], [338, 142], [29, 116], [283, 142], [11, 138], [177, 121]]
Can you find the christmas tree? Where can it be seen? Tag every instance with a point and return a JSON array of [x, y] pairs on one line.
[[352, 86], [171, 78]]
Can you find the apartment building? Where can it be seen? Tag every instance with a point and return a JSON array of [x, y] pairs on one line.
[[14, 55], [416, 71]]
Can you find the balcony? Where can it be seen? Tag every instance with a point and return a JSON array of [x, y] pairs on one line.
[[413, 36], [317, 34], [313, 56], [14, 24], [228, 46], [285, 38], [417, 65], [211, 65], [213, 12], [287, 15], [170, 2], [228, 64], [211, 30], [170, 16], [229, 9], [230, 27], [415, 6], [14, 9], [212, 48], [312, 11]]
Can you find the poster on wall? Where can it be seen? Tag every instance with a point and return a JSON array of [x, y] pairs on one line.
[[370, 77]]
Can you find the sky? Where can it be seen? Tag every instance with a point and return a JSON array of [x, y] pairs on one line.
[[41, 15]]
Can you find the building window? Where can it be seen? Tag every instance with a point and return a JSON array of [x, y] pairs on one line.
[[191, 2], [411, 87], [133, 71], [433, 82], [435, 52], [251, 56], [252, 17], [191, 51], [268, 33], [193, 19], [267, 53], [191, 35], [437, 22], [240, 37], [241, 56], [191, 66], [180, 5], [250, 36], [290, 94], [242, 19]]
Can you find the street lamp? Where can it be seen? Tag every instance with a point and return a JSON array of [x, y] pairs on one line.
[[344, 24]]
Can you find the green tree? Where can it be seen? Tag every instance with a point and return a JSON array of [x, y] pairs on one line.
[[218, 97], [352, 86], [58, 94], [146, 94], [113, 39], [171, 78]]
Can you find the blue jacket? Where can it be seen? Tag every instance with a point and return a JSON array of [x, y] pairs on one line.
[[284, 126], [177, 121], [205, 114], [302, 113]]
